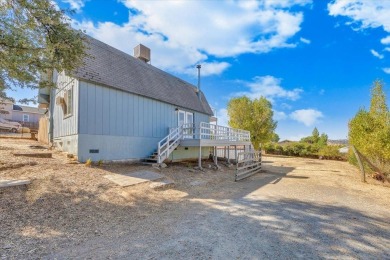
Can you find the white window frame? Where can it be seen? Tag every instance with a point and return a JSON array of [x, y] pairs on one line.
[[192, 116], [68, 102], [28, 118]]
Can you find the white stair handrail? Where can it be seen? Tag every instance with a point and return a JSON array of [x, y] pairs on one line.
[[170, 142]]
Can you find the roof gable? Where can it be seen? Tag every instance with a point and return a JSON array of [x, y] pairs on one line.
[[116, 69]]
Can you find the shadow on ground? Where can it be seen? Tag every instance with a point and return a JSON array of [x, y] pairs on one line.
[[81, 224]]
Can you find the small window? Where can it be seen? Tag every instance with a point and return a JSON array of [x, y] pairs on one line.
[[68, 102], [26, 118]]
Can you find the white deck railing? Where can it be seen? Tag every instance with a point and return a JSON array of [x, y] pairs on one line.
[[204, 131], [217, 132]]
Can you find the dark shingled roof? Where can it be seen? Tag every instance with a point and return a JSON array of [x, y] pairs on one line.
[[116, 69], [28, 109]]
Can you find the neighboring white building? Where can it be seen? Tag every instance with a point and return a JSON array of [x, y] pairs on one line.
[[25, 115]]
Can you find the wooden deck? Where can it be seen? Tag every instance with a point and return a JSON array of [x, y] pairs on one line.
[[211, 142]]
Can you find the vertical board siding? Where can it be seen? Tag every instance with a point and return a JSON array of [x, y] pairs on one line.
[[136, 115], [112, 101], [119, 113], [83, 114], [105, 111], [123, 125], [65, 126], [91, 119], [99, 111]]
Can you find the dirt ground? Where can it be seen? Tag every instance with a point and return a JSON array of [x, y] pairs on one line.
[[295, 208]]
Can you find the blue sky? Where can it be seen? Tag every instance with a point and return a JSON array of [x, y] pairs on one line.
[[314, 60]]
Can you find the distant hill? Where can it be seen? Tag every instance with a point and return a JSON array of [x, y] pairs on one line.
[[330, 142], [338, 142]]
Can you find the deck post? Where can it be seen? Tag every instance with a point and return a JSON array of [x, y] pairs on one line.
[[228, 158], [235, 154], [200, 156], [215, 156]]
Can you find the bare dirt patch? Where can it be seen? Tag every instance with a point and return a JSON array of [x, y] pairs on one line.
[[294, 208]]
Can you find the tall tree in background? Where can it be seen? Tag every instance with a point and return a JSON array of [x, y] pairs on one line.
[[316, 135], [369, 131], [254, 116], [35, 37], [316, 138]]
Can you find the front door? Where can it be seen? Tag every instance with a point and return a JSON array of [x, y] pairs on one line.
[[181, 120], [186, 118]]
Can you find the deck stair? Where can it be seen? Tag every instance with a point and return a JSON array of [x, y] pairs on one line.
[[153, 158], [167, 145]]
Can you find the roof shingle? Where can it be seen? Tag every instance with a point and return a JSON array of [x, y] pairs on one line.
[[111, 67]]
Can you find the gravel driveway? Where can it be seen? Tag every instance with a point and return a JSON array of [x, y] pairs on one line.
[[304, 210], [296, 208]]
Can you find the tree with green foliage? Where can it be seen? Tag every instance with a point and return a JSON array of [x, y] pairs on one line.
[[369, 131], [35, 37], [254, 116], [316, 138], [275, 138], [315, 135], [323, 140]]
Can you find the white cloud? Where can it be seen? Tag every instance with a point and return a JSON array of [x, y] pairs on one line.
[[184, 33], [376, 54], [269, 87], [386, 70], [387, 49], [306, 116], [75, 4], [304, 40], [279, 115], [285, 106], [209, 68], [285, 3], [223, 117], [385, 40], [363, 13]]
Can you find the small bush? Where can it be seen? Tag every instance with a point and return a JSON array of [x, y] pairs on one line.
[[88, 163], [330, 152]]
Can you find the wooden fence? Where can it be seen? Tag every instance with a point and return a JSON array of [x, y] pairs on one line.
[[43, 130], [248, 163], [362, 161]]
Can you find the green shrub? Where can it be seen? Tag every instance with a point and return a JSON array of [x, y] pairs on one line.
[[369, 130], [330, 152], [279, 149]]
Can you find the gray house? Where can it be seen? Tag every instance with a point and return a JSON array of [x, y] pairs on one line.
[[118, 107]]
